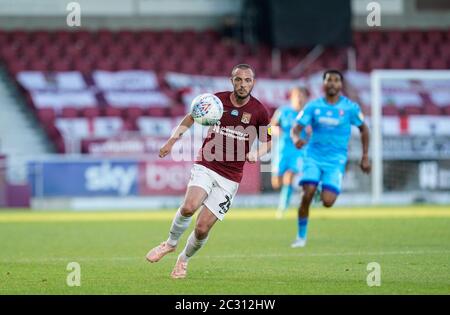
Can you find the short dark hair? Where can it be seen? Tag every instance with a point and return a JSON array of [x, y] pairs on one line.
[[242, 66], [333, 71]]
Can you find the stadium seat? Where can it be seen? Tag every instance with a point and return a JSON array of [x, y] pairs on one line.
[[435, 37], [177, 110], [397, 63], [157, 112], [390, 111], [418, 63], [69, 112], [133, 113], [105, 64], [147, 64], [60, 65], [126, 64], [191, 66], [46, 116], [90, 112], [439, 63], [113, 112], [413, 110], [432, 110], [446, 110], [59, 144], [414, 36]]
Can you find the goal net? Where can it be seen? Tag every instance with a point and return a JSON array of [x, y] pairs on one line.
[[410, 128]]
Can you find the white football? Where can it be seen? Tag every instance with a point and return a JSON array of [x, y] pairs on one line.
[[206, 109]]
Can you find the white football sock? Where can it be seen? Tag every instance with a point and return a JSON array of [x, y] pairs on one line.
[[192, 246], [179, 224]]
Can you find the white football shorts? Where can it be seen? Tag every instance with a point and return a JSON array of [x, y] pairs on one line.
[[220, 190]]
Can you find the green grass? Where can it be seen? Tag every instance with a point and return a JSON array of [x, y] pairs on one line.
[[247, 254]]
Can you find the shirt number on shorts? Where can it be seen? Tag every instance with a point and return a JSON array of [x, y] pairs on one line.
[[225, 205]]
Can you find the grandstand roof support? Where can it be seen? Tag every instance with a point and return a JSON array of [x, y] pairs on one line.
[[276, 61], [312, 56]]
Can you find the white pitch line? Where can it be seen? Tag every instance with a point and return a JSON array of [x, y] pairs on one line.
[[333, 254], [267, 255]]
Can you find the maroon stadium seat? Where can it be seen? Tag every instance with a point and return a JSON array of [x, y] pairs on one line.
[[60, 145], [132, 113], [105, 64], [413, 110], [432, 110], [126, 64], [69, 112], [90, 112], [418, 63], [147, 64], [438, 63], [397, 63], [390, 110], [157, 111], [60, 65], [446, 110], [177, 110], [46, 115], [435, 36], [414, 36], [110, 111]]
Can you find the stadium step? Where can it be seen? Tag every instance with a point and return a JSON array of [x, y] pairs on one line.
[[20, 134]]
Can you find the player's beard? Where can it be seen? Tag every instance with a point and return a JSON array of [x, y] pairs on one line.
[[240, 97], [332, 92]]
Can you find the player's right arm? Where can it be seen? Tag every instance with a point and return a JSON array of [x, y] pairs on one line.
[[275, 122], [303, 119], [183, 126], [295, 136]]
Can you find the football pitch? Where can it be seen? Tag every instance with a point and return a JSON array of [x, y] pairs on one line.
[[248, 253]]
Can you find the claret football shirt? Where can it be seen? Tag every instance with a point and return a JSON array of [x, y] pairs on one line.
[[231, 138]]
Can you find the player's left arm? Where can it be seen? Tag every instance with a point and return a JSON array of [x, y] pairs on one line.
[[263, 149], [357, 119], [265, 139], [365, 163]]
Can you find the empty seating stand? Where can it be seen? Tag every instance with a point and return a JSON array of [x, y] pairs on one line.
[[168, 50]]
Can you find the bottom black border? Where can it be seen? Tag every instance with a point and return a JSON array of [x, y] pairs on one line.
[[206, 304]]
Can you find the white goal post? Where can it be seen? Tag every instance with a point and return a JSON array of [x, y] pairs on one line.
[[377, 76]]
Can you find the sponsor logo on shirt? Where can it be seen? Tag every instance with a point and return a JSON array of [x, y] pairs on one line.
[[231, 133], [330, 121], [246, 118]]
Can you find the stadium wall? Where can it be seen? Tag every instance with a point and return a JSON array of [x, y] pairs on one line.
[[195, 14]]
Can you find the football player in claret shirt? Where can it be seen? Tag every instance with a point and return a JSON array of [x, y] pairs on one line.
[[330, 118], [218, 168]]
